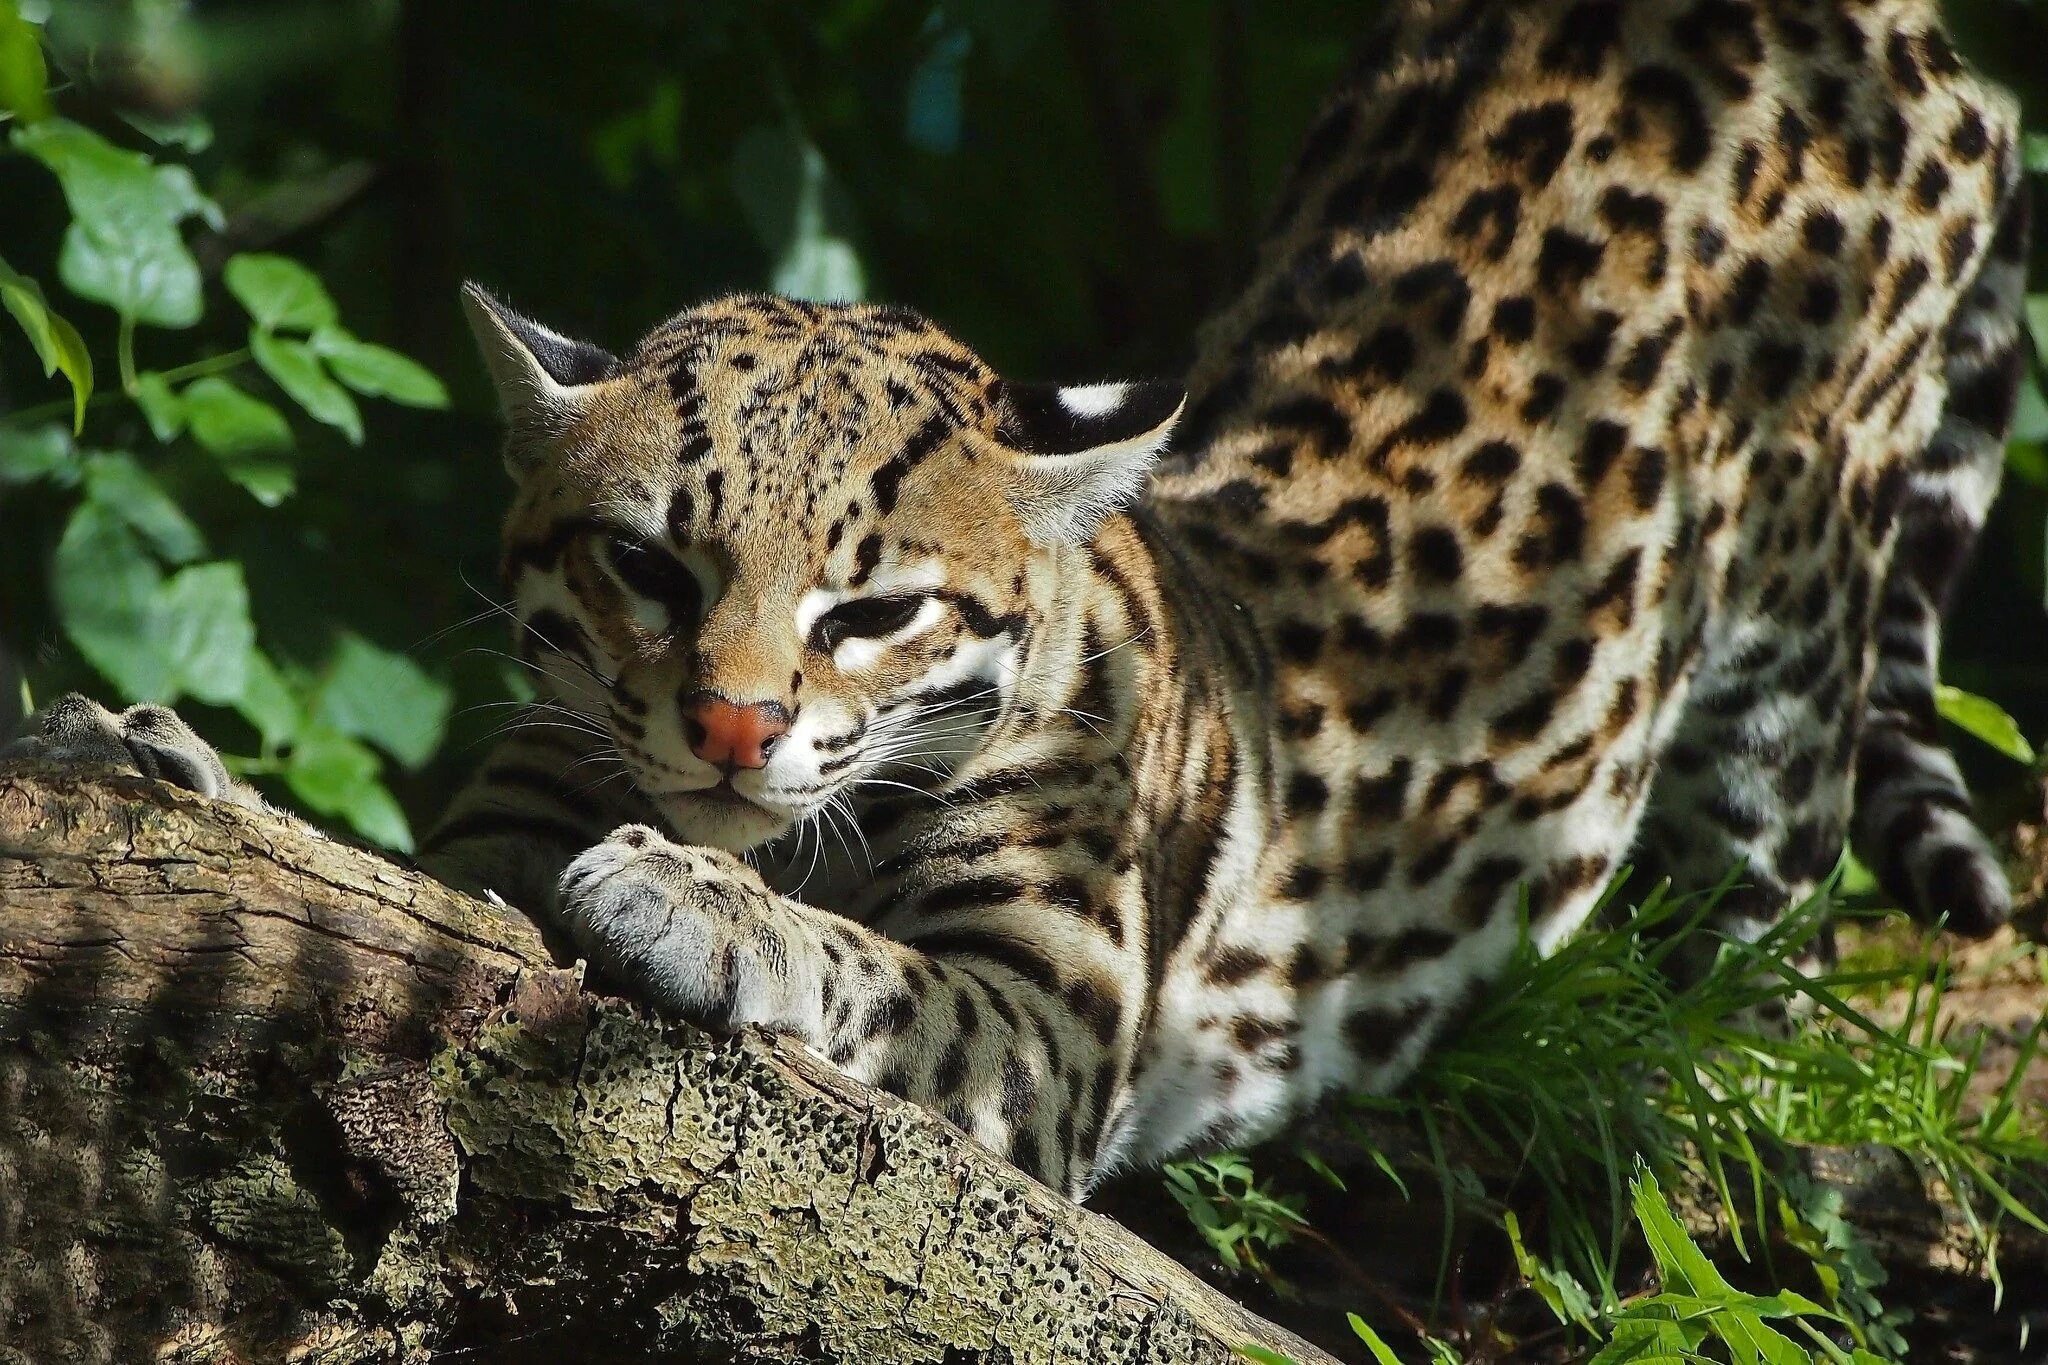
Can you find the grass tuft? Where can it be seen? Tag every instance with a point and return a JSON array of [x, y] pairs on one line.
[[1583, 1067]]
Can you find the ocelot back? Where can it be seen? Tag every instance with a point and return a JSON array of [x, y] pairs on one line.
[[1578, 480]]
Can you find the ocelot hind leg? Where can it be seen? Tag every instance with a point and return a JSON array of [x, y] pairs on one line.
[[1753, 793], [1913, 823], [1835, 689]]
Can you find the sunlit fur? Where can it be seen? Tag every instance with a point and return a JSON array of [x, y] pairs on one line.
[[1576, 483], [806, 416], [1575, 486]]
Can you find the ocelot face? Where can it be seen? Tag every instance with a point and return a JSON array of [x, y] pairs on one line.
[[785, 556]]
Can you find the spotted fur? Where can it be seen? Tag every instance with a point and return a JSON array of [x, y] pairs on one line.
[[1577, 482]]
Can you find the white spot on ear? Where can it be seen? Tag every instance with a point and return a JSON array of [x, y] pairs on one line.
[[1092, 400], [1063, 498]]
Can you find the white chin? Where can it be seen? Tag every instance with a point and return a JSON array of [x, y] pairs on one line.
[[715, 822]]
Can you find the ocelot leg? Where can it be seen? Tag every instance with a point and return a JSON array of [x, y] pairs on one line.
[[1752, 798], [1913, 823], [148, 739]]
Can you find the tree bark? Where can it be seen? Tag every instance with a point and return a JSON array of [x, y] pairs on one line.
[[264, 1096]]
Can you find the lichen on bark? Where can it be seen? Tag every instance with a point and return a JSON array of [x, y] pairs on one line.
[[264, 1097]]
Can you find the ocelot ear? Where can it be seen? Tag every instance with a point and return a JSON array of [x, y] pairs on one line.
[[543, 378], [1082, 451]]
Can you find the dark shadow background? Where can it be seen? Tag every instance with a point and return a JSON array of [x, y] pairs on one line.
[[1067, 184]]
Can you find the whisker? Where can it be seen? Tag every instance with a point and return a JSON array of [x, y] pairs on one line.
[[1105, 653], [843, 816], [428, 641], [919, 791], [528, 664], [492, 607]]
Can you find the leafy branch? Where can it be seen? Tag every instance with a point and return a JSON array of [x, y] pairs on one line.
[[132, 580]]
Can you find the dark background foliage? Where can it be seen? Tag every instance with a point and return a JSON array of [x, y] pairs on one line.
[[1068, 186]]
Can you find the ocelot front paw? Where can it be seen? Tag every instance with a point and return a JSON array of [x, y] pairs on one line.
[[691, 929], [150, 740]]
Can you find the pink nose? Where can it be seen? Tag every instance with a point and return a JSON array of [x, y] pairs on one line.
[[731, 735]]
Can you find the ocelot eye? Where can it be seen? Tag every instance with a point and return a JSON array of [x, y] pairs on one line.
[[652, 572], [866, 618]]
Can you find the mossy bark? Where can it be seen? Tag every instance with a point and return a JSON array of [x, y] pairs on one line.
[[265, 1097]]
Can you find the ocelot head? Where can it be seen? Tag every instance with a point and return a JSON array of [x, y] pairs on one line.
[[786, 554]]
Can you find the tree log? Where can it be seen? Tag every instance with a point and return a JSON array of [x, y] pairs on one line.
[[264, 1096]]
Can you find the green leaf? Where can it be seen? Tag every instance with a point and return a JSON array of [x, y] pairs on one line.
[[932, 103], [1259, 1355], [1985, 719], [105, 585], [279, 292], [378, 371], [118, 483], [156, 640], [800, 214], [2027, 460], [1322, 1168], [31, 453], [336, 775], [270, 482], [1441, 1352], [1748, 1339], [1566, 1297], [149, 279], [181, 194], [24, 78], [2029, 413], [57, 343], [267, 701], [297, 371], [207, 632], [373, 694], [244, 434], [163, 408], [1684, 1267], [1382, 1353], [1752, 1341], [2036, 152], [653, 130], [377, 816], [326, 767], [123, 247], [1644, 1335], [189, 130], [821, 267], [1786, 1303], [2037, 323], [1857, 878]]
